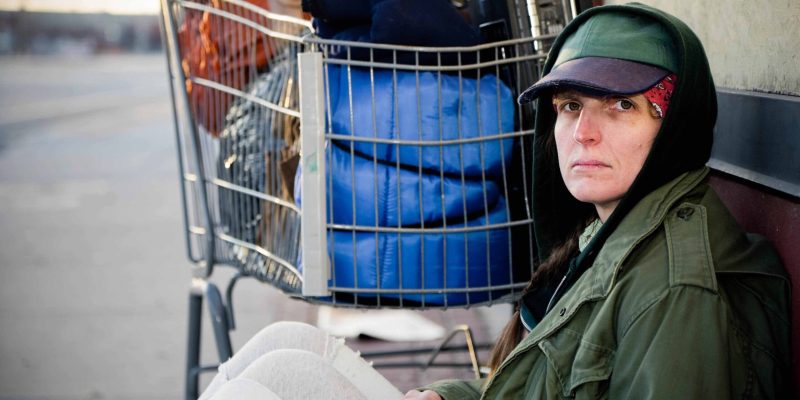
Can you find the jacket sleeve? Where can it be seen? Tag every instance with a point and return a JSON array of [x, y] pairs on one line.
[[456, 389], [678, 347]]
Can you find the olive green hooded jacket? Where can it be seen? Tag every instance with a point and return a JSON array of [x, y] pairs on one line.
[[678, 304], [670, 299]]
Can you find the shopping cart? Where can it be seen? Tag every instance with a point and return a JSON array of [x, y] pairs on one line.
[[347, 173]]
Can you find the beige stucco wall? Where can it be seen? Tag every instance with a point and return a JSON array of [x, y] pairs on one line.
[[751, 45]]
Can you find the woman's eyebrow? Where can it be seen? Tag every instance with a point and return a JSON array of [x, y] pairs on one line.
[[631, 97], [638, 98], [565, 95]]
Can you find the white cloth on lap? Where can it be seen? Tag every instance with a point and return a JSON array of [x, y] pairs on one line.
[[294, 360]]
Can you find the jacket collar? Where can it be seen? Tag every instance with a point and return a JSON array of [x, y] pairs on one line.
[[642, 220]]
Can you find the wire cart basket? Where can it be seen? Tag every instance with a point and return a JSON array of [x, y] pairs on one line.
[[347, 173]]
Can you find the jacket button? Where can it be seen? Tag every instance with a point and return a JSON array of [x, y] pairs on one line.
[[562, 312], [685, 213]]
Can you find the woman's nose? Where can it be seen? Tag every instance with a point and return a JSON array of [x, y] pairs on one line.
[[586, 129]]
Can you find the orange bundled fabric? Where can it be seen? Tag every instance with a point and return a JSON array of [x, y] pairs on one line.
[[224, 51]]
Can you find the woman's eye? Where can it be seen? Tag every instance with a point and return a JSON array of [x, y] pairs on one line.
[[571, 106], [623, 104]]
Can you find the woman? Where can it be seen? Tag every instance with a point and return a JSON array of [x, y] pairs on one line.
[[648, 288]]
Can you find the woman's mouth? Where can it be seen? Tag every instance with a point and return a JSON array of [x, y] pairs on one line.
[[589, 164]]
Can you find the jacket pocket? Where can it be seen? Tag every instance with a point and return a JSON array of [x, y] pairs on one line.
[[582, 368]]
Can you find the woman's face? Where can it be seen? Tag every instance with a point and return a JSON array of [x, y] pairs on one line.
[[602, 144]]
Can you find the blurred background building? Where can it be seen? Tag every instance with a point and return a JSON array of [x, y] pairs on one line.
[[78, 27], [40, 32]]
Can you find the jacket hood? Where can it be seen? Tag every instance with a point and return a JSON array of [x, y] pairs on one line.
[[682, 144]]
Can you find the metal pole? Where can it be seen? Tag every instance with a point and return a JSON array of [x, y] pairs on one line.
[[574, 7], [567, 10], [536, 25], [191, 389]]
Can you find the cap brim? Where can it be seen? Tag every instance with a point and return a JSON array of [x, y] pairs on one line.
[[597, 75]]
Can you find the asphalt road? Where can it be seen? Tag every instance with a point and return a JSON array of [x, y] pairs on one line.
[[93, 272]]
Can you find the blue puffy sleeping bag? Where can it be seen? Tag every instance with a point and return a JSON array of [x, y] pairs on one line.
[[451, 260], [388, 196], [390, 185], [427, 107]]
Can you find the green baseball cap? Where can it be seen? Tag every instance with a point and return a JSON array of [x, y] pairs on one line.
[[611, 53]]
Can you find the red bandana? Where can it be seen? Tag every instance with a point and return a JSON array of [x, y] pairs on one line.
[[660, 94]]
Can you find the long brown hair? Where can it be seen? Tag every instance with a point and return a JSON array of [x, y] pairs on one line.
[[548, 271]]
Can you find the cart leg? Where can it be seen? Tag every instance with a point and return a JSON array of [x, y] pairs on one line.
[[193, 348], [219, 320]]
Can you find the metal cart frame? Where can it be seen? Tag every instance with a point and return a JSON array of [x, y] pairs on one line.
[[208, 244]]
